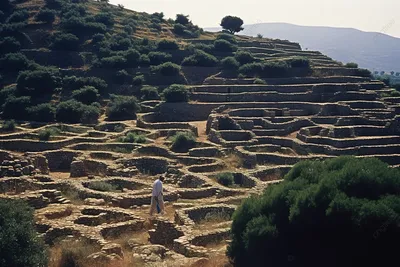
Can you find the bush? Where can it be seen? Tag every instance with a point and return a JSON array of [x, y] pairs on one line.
[[122, 77], [43, 112], [133, 138], [44, 135], [226, 179], [20, 244], [72, 83], [86, 95], [179, 29], [97, 38], [149, 93], [299, 62], [200, 59], [167, 69], [18, 16], [122, 108], [230, 64], [343, 206], [176, 93], [251, 69], [9, 45], [244, 57], [157, 58], [65, 41], [167, 45], [276, 69], [138, 80], [183, 141], [16, 108], [363, 73], [14, 62], [351, 65], [38, 82], [46, 15], [102, 186], [224, 46], [72, 111], [228, 37], [8, 126]]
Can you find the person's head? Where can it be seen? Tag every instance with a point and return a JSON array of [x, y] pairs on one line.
[[161, 178]]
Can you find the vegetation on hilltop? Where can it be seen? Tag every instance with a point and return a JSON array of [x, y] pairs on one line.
[[344, 209]]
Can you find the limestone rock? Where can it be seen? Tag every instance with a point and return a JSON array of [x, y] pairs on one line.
[[78, 169]]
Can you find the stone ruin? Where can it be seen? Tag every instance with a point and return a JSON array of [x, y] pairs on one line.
[[87, 184]]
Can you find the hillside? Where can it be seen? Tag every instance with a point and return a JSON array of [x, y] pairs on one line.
[[371, 50], [98, 101]]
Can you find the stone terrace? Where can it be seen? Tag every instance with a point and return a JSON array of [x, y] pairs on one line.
[[86, 183]]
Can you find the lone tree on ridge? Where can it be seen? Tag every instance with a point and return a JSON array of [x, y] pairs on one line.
[[232, 24]]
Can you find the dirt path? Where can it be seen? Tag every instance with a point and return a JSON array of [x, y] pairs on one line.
[[201, 128]]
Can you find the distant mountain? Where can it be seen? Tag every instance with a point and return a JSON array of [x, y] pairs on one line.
[[372, 50]]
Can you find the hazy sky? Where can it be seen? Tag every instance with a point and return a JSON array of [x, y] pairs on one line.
[[367, 15]]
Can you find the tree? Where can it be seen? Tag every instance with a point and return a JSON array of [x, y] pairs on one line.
[[338, 209], [382, 72], [122, 108], [260, 36], [46, 15], [397, 74], [19, 242], [176, 93], [182, 19], [392, 73], [232, 24]]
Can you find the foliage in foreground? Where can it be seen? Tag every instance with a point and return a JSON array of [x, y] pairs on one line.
[[122, 108], [325, 213], [19, 242]]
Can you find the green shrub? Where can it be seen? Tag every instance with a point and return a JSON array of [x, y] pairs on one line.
[[38, 82], [176, 93], [8, 126], [6, 93], [200, 46], [179, 29], [343, 206], [200, 59], [65, 41], [224, 46], [16, 108], [228, 37], [78, 26], [167, 69], [102, 186], [251, 69], [226, 179], [122, 108], [21, 15], [46, 15], [106, 18], [259, 81], [43, 112], [9, 45], [86, 95], [230, 64], [122, 77], [299, 62], [72, 111], [72, 83], [14, 62], [133, 138], [363, 73], [149, 93], [97, 38], [157, 58], [167, 45], [44, 135], [183, 141], [138, 80], [20, 244], [244, 57], [351, 65], [113, 62], [275, 69]]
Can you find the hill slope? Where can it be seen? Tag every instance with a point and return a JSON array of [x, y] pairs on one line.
[[375, 51]]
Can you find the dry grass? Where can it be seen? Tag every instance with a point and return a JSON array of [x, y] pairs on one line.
[[232, 162]]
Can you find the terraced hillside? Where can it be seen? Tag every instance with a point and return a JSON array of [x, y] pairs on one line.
[[90, 180]]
